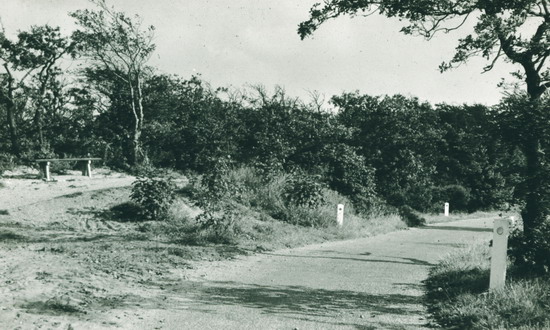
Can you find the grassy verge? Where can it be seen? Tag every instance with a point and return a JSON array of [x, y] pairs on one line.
[[458, 297], [436, 218], [253, 230], [256, 214]]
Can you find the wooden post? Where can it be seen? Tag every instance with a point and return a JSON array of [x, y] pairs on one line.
[[89, 168], [501, 231], [446, 210], [340, 215], [47, 171]]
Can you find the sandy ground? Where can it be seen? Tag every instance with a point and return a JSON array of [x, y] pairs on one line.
[[65, 263], [24, 186]]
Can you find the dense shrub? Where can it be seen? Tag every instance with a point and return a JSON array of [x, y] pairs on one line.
[[350, 175], [303, 190], [410, 217], [456, 195], [153, 195], [531, 255]]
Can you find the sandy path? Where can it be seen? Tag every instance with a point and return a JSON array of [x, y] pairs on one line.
[[372, 283], [19, 192]]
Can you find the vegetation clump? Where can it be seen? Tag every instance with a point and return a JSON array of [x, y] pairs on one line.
[[531, 253], [153, 196]]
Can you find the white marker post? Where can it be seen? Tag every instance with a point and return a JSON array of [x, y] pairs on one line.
[[89, 168], [501, 231], [446, 209], [47, 171], [340, 215]]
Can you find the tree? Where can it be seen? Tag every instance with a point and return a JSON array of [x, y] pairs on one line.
[[41, 49], [473, 155], [501, 31], [397, 136], [121, 46], [35, 55]]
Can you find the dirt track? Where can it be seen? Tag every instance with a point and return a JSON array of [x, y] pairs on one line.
[[63, 265], [372, 283]]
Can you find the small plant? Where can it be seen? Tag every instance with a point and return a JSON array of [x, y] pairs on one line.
[[6, 163], [220, 226], [153, 196]]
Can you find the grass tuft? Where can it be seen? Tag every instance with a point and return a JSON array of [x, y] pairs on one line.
[[51, 307]]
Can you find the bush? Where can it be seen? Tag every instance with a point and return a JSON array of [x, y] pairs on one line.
[[219, 225], [456, 195], [349, 172], [303, 190], [6, 163], [153, 195], [409, 216], [530, 255]]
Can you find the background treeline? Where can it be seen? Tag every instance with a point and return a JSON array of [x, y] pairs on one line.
[[93, 92], [393, 150]]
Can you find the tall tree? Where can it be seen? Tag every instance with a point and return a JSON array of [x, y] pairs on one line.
[[122, 46], [41, 49], [30, 63], [502, 30]]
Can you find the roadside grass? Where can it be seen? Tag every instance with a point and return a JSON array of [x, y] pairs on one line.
[[437, 218], [457, 295], [251, 229], [256, 214]]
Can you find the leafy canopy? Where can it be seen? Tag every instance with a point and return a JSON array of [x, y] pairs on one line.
[[515, 30], [113, 40]]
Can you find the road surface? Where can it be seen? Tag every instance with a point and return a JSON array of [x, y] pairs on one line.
[[370, 283]]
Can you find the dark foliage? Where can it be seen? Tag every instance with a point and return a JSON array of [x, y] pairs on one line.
[[531, 254], [410, 217], [304, 190]]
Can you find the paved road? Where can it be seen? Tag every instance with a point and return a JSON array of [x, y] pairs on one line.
[[372, 283]]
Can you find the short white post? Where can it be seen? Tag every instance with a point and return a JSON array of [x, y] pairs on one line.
[[47, 171], [89, 168], [340, 214], [446, 209], [498, 253]]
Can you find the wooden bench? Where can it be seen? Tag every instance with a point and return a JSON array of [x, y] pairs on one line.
[[86, 165]]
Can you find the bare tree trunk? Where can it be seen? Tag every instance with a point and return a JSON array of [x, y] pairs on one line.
[[536, 208], [535, 211], [136, 134], [38, 122], [12, 126], [39, 127], [140, 117], [8, 100]]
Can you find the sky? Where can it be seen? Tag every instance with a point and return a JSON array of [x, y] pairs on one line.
[[239, 43]]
